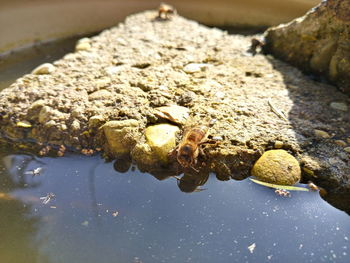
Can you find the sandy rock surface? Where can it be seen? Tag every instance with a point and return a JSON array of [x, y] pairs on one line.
[[125, 73], [317, 42]]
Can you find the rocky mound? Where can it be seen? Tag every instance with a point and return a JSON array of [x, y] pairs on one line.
[[107, 95]]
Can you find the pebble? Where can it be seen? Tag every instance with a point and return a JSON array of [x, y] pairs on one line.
[[114, 69], [339, 106], [277, 167], [220, 95], [278, 144], [186, 98], [162, 139], [174, 113], [340, 143], [46, 68], [102, 83], [347, 149], [194, 67], [82, 46], [321, 134]]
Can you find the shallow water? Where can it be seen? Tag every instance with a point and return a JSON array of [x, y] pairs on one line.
[[100, 215]]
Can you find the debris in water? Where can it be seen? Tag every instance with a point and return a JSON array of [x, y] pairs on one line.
[[85, 223], [251, 248], [280, 187], [115, 214], [35, 171], [283, 192], [46, 199]]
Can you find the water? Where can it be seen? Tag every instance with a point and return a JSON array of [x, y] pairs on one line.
[[100, 215]]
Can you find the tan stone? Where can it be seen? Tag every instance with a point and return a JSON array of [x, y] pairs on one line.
[[162, 139], [277, 167], [121, 135]]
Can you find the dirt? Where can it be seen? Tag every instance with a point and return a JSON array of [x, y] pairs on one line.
[[127, 71]]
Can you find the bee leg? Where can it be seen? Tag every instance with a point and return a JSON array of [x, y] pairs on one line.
[[196, 170], [202, 153]]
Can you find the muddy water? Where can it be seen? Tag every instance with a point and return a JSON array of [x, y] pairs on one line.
[[100, 215]]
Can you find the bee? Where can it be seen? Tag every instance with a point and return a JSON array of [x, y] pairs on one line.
[[255, 44], [188, 150], [165, 10]]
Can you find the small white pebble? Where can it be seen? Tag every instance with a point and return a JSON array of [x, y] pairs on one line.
[[194, 67], [82, 46], [46, 68]]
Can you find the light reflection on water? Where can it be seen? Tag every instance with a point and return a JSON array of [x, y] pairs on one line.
[[156, 222]]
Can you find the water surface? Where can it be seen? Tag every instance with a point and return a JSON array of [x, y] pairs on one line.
[[101, 215]]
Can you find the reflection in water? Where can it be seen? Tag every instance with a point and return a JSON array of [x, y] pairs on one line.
[[101, 215], [18, 225]]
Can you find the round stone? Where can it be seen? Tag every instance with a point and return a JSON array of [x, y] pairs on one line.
[[277, 167]]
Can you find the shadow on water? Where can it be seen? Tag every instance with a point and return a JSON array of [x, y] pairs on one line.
[[311, 110]]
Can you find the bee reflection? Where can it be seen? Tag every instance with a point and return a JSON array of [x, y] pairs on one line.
[[189, 183]]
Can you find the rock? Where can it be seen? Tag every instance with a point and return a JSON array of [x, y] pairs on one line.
[[277, 167], [244, 120], [162, 139], [317, 42], [46, 68], [114, 69], [101, 95], [23, 124], [75, 126], [341, 143], [186, 98], [173, 113], [121, 136], [339, 106], [83, 44], [102, 83], [278, 144], [321, 134], [194, 67], [96, 121], [143, 155], [347, 149], [44, 114]]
